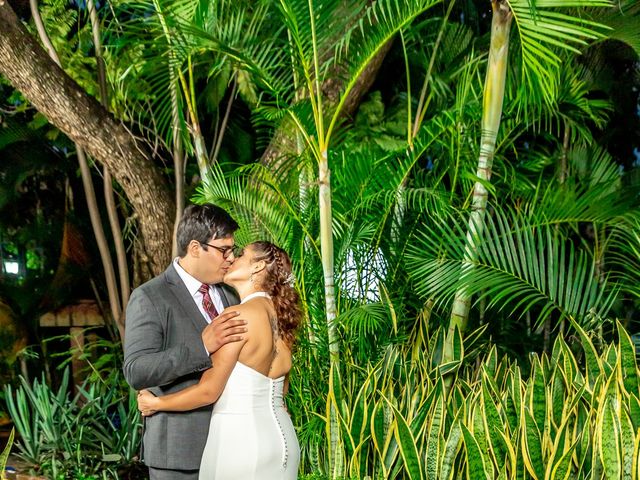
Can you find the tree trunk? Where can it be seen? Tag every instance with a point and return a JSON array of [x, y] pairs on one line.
[[491, 115], [87, 182], [67, 106], [114, 222]]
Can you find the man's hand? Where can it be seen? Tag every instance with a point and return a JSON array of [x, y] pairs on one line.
[[222, 330]]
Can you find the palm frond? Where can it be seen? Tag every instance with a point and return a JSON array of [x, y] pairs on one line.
[[624, 21], [593, 194], [358, 47], [623, 256], [543, 30], [365, 320], [203, 40], [517, 267], [571, 104], [262, 206], [314, 26]]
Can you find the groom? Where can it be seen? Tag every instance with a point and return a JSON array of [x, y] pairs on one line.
[[172, 327]]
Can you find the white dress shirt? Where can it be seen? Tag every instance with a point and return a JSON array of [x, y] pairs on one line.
[[193, 287]]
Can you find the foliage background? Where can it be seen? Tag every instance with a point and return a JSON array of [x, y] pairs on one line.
[[218, 87]]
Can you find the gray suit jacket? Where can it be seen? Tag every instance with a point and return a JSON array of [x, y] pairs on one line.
[[163, 351]]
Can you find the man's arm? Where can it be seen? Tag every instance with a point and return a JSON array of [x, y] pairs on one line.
[[145, 363]]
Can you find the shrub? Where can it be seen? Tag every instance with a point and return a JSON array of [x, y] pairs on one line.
[[413, 417], [95, 432]]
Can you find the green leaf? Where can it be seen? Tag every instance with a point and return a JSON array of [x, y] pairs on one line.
[[592, 361], [408, 446], [627, 440], [433, 442], [538, 398], [493, 425], [558, 450], [609, 441], [532, 446], [475, 463], [562, 469], [378, 429], [634, 411], [480, 436], [451, 449], [629, 368], [4, 456], [558, 395], [334, 435]]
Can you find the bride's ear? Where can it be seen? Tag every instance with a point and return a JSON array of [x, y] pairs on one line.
[[258, 266]]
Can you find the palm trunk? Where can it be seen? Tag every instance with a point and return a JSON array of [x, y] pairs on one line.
[[178, 149], [492, 112], [178, 163], [202, 157], [101, 240], [223, 126], [199, 144], [562, 176], [599, 251], [326, 218], [326, 250]]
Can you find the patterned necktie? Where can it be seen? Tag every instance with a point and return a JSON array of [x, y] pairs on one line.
[[207, 303]]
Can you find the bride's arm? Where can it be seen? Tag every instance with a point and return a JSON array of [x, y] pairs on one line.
[[205, 392]]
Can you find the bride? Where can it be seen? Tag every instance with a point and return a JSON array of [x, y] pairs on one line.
[[251, 435]]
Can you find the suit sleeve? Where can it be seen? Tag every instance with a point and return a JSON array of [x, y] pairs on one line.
[[146, 364]]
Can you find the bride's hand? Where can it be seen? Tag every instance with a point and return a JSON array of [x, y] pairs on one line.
[[147, 403]]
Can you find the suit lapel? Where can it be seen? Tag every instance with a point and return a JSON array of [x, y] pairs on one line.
[[183, 298]]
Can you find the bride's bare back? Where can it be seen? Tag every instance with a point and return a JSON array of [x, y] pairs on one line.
[[264, 350]]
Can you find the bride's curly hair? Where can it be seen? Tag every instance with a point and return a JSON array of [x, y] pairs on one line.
[[278, 282]]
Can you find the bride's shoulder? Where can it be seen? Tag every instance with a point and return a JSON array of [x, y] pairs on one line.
[[256, 309]]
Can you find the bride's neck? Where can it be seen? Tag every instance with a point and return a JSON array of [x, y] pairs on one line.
[[245, 289]]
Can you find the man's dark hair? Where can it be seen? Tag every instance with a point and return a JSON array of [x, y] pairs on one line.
[[203, 223]]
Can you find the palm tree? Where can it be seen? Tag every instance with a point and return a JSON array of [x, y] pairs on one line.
[[541, 29], [309, 25]]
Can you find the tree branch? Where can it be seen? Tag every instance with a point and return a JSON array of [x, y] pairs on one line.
[[67, 106]]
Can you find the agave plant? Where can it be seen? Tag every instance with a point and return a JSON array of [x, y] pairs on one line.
[[95, 431], [4, 456]]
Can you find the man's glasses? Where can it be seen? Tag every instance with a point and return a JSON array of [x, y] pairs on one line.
[[225, 251]]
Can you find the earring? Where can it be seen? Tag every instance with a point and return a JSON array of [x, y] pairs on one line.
[[251, 278]]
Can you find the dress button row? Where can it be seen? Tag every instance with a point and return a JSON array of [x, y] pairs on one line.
[[285, 456]]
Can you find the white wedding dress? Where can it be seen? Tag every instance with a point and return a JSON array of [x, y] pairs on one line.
[[251, 436]]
